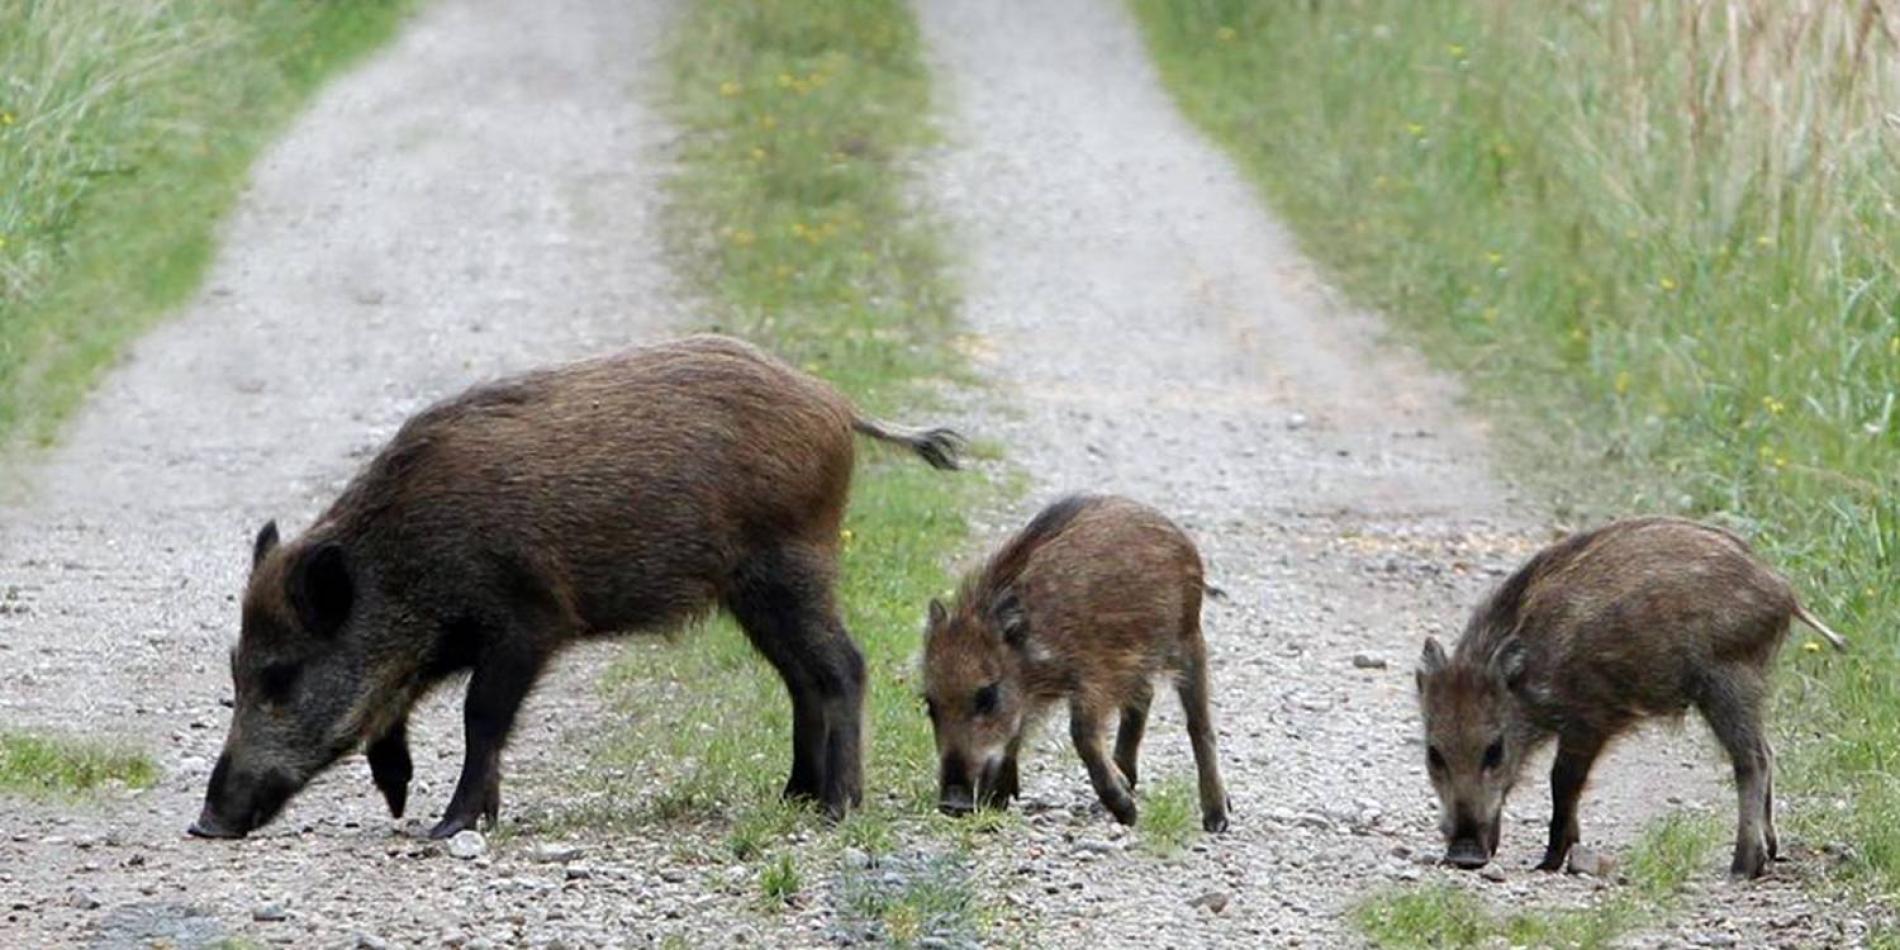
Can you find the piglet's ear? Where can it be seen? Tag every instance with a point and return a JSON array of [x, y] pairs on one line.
[[265, 543], [1007, 616], [1430, 662], [321, 591], [939, 614], [1507, 662]]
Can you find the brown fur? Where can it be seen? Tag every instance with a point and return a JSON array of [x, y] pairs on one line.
[[1088, 604], [628, 493], [1641, 618]]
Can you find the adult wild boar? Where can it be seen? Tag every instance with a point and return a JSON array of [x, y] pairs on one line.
[[628, 493], [1640, 618], [1090, 603]]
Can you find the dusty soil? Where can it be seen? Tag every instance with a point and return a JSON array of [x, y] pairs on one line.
[[482, 197]]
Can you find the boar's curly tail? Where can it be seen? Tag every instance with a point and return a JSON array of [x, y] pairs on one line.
[[1834, 639], [939, 446]]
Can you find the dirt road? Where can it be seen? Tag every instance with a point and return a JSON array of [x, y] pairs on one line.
[[482, 197]]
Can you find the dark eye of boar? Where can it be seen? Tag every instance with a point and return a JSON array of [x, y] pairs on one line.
[[984, 702], [1494, 754], [277, 680], [1437, 761]]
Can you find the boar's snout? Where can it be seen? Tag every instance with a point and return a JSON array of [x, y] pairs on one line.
[[1467, 853], [236, 803], [1471, 846], [956, 789]]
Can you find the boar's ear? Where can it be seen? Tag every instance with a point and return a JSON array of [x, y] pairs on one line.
[[938, 614], [1507, 662], [266, 541], [1430, 662], [1006, 613], [321, 590]]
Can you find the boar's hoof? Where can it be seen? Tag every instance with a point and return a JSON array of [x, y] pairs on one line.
[[203, 828], [398, 798], [1553, 861], [1123, 809], [450, 825], [1749, 863], [1214, 822]]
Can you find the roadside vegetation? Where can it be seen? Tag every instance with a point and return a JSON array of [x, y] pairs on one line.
[[126, 130], [791, 221], [1659, 239], [51, 767]]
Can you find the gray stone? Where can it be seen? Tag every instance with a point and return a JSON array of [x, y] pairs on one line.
[[269, 912], [1213, 901], [1368, 661], [468, 845], [549, 852]]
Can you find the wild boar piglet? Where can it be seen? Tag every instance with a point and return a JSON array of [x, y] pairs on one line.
[[1090, 603], [623, 494], [1641, 618]]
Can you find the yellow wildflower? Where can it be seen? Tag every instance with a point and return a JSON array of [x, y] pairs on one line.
[[1622, 382], [730, 89], [785, 80], [1417, 130], [1765, 241], [1490, 314], [1811, 647], [1667, 283], [6, 118], [1576, 333], [1893, 346], [1773, 405], [1456, 51], [758, 154], [1494, 257], [1226, 34], [744, 237]]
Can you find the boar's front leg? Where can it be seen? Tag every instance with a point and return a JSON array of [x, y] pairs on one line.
[[390, 767], [504, 673], [1575, 755], [1088, 728]]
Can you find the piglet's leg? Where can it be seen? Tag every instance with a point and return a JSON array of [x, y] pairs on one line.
[[1088, 727]]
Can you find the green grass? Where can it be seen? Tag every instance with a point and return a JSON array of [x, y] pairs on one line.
[[1170, 816], [1657, 239], [48, 767], [789, 214], [779, 883], [126, 129], [1443, 915]]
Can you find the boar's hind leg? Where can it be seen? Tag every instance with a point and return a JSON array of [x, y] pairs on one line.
[[1087, 727], [390, 767], [1575, 755], [1128, 737], [783, 600], [504, 673], [1731, 703], [1200, 724]]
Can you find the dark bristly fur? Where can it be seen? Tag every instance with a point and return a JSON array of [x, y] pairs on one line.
[[628, 493], [1089, 603], [1641, 618]]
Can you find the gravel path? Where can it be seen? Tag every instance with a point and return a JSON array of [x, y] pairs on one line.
[[481, 197], [1159, 336]]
